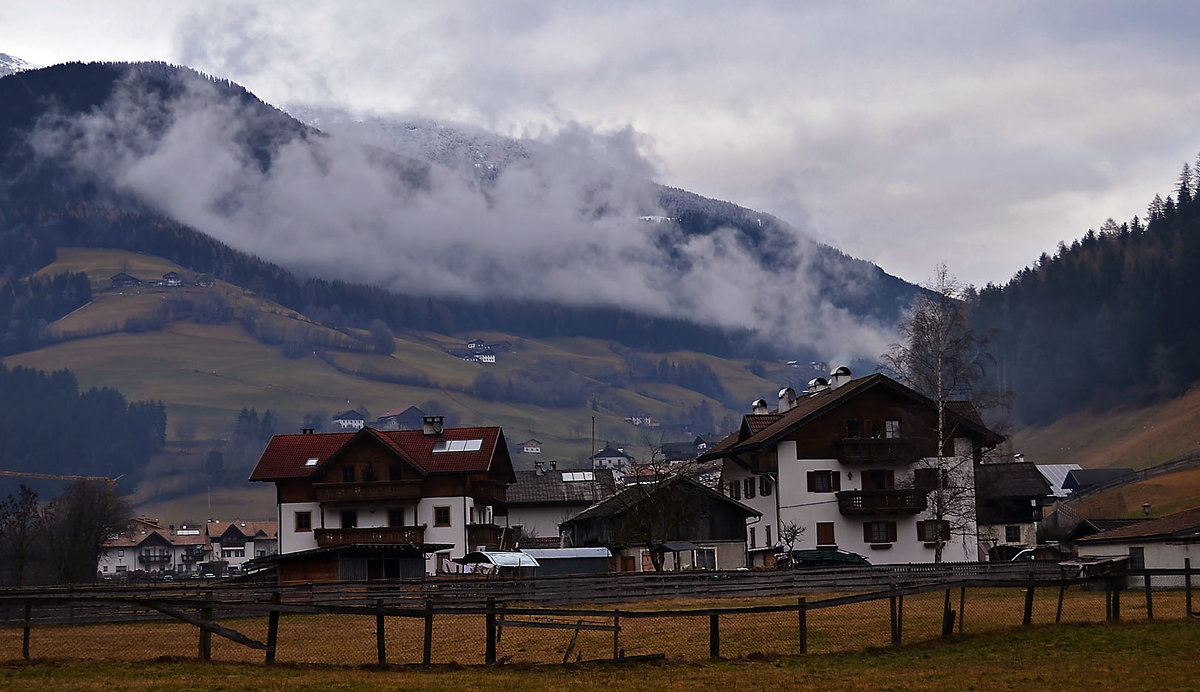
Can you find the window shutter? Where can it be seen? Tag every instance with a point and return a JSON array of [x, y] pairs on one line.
[[812, 481], [866, 532], [945, 530], [891, 531], [835, 480]]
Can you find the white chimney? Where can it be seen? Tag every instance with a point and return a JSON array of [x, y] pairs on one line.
[[840, 376], [787, 399], [817, 385], [759, 407], [431, 425]]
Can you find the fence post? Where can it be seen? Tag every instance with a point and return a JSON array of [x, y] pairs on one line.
[[947, 617], [1062, 592], [1149, 599], [24, 639], [380, 637], [272, 629], [427, 653], [205, 635], [892, 612], [1116, 601], [616, 634], [714, 635], [489, 624], [899, 618], [962, 607], [802, 602], [1027, 619], [1187, 585]]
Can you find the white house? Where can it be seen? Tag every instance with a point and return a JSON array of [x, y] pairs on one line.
[[545, 497], [531, 446], [236, 542], [1162, 543], [377, 504], [349, 420], [613, 459], [853, 464]]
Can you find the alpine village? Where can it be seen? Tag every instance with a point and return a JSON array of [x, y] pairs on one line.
[[191, 424]]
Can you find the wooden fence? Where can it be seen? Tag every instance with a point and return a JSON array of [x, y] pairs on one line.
[[483, 620]]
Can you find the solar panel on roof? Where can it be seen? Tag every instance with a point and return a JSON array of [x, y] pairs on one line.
[[457, 446], [312, 461]]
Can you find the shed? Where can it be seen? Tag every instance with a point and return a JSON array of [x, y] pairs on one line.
[[561, 561]]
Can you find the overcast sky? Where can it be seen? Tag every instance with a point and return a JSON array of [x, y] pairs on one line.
[[979, 134]]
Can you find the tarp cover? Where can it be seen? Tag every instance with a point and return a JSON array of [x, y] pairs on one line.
[[500, 559]]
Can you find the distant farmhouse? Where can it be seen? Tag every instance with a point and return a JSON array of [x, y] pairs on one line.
[[400, 419], [612, 459], [349, 420], [148, 547]]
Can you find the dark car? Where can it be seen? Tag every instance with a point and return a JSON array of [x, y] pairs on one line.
[[820, 559]]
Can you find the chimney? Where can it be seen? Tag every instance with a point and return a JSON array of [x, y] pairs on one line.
[[787, 399], [537, 465], [306, 431], [553, 464], [840, 376], [431, 425], [759, 407], [817, 385]]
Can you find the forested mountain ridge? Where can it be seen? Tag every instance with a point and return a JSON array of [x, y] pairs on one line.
[[1110, 321]]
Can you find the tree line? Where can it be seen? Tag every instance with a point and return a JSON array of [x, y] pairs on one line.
[[1109, 320]]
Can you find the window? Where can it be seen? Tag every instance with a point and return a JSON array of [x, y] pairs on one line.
[[1137, 558], [767, 530], [120, 552], [303, 521], [931, 530], [825, 534], [875, 479], [122, 568], [753, 544], [927, 479], [396, 517], [706, 558], [441, 516], [879, 531], [824, 481], [735, 490], [748, 488], [349, 518], [892, 429], [347, 474], [395, 472], [764, 486], [1012, 534], [853, 428]]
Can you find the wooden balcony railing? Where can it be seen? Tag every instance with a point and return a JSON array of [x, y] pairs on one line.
[[368, 490], [882, 501], [883, 450], [489, 535], [155, 557], [398, 535]]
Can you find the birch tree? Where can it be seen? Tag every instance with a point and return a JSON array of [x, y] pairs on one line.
[[941, 357]]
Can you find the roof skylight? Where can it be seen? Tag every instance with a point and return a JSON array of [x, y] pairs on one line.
[[457, 446]]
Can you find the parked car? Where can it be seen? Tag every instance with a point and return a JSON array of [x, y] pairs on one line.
[[819, 559]]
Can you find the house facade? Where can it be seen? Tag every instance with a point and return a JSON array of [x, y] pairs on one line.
[[674, 522], [531, 446], [543, 498], [349, 420], [854, 464], [386, 504], [1009, 500], [237, 542], [612, 459], [1162, 543]]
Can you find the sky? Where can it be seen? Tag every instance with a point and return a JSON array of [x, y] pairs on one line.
[[977, 134]]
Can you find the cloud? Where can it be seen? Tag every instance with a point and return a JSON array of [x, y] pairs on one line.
[[562, 226]]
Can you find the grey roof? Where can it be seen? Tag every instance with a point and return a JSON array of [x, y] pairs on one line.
[[1055, 474], [1010, 479], [1085, 478], [564, 553], [619, 502], [609, 452], [549, 488]]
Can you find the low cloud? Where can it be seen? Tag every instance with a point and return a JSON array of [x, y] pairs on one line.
[[561, 226]]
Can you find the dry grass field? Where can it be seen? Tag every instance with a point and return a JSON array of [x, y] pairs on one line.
[[460, 639]]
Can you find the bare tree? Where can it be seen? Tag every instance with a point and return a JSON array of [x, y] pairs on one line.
[[78, 522], [21, 520], [941, 357], [651, 515]]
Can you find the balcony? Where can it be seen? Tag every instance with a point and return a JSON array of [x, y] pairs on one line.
[[155, 557], [852, 502], [489, 535], [192, 555], [878, 450], [368, 491], [400, 535]]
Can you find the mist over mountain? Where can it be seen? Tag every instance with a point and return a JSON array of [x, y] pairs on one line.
[[573, 220]]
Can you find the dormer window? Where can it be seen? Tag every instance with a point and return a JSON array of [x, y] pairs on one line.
[[347, 474]]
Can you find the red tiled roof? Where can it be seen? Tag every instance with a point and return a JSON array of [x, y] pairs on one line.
[[286, 456]]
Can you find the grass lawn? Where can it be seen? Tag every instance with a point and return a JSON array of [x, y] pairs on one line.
[[1129, 656]]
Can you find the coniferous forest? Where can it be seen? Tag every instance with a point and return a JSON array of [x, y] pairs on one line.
[[1108, 321]]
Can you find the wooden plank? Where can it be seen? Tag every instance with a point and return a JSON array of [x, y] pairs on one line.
[[209, 626]]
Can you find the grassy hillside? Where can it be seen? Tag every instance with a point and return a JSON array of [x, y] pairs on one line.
[[206, 373], [1134, 437]]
